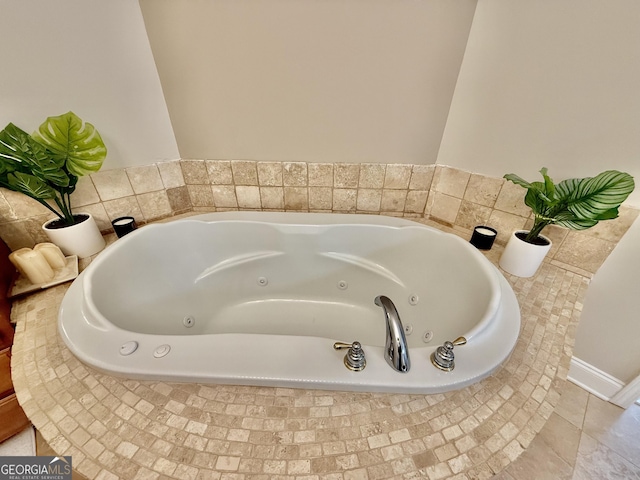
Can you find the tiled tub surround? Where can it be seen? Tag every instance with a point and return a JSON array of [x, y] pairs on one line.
[[118, 428], [449, 196]]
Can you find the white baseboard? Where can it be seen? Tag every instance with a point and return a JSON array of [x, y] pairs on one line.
[[629, 395], [593, 380]]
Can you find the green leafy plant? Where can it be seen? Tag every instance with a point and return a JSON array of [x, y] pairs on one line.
[[576, 203], [46, 165]]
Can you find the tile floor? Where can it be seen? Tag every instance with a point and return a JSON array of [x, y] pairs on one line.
[[21, 444], [585, 439]]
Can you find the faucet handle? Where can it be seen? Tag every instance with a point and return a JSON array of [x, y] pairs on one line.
[[354, 359], [443, 357]]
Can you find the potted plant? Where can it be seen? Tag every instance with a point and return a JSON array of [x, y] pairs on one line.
[[576, 203], [46, 166]]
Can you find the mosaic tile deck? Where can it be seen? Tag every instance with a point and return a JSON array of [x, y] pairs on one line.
[[117, 428]]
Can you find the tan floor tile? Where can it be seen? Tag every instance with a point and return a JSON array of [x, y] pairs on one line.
[[563, 438], [614, 427], [503, 475], [540, 462], [573, 404], [596, 461], [43, 449]]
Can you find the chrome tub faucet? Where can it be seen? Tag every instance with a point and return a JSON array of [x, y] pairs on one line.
[[396, 351]]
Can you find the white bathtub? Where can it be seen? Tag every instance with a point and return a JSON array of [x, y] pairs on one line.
[[257, 298]]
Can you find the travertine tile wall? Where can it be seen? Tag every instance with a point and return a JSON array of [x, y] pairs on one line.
[[446, 195], [316, 187], [148, 193], [463, 200]]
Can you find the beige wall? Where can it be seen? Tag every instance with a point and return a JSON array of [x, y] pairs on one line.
[[303, 80], [555, 83], [90, 57], [548, 83], [609, 327]]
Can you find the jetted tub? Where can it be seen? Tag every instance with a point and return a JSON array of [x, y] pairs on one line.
[[256, 298]]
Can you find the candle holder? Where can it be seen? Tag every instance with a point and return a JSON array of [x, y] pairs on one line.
[[483, 237], [124, 225]]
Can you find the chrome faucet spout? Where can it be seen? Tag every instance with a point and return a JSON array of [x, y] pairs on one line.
[[396, 352]]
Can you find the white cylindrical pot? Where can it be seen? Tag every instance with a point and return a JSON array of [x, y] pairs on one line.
[[521, 258], [82, 239]]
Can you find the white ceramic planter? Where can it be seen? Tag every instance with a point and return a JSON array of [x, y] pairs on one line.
[[82, 239], [521, 258]]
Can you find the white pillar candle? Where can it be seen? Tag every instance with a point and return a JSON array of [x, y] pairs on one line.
[[34, 266], [13, 258], [52, 254]]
